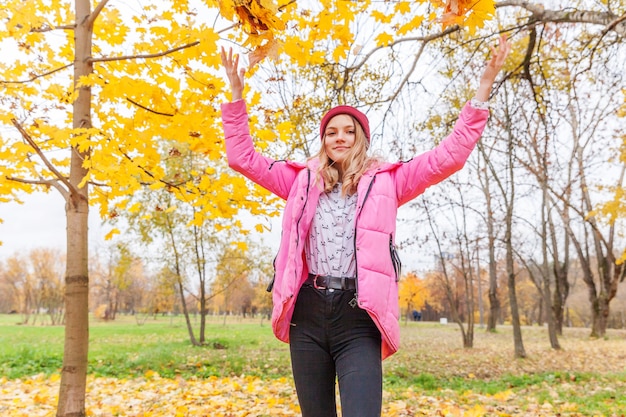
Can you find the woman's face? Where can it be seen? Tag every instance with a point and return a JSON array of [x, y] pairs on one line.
[[339, 138]]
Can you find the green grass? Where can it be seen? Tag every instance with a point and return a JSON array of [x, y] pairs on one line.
[[125, 349], [590, 374]]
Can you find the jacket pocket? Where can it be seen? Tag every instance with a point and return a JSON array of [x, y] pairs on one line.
[[395, 259]]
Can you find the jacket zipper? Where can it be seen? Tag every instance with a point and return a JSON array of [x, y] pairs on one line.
[[270, 287], [308, 186], [395, 258], [356, 259]]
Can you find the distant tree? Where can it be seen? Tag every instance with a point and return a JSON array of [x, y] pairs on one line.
[[118, 281], [162, 296], [8, 295], [412, 293], [47, 266], [34, 285], [455, 275], [237, 275], [16, 277], [262, 302]]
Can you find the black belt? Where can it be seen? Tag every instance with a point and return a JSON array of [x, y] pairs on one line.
[[324, 282]]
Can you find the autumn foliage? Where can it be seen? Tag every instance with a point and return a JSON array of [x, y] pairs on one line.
[[158, 93], [102, 101], [413, 293]]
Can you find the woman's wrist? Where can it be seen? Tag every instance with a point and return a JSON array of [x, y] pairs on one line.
[[236, 95], [482, 95], [479, 104]]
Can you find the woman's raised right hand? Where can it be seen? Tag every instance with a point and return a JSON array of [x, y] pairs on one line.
[[234, 73]]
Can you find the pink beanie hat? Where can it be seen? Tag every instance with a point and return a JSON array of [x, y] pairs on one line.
[[349, 110]]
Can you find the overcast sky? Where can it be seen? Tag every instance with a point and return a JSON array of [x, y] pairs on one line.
[[39, 223]]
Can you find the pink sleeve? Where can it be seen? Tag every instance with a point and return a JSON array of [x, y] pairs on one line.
[[432, 167], [275, 176]]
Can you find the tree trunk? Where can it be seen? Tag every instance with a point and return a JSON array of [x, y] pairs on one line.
[[494, 301], [561, 282], [517, 329], [509, 253], [76, 346], [179, 280], [468, 278], [545, 268], [599, 315], [75, 354], [468, 340], [192, 336], [547, 299], [481, 309], [610, 275], [561, 292], [201, 270]]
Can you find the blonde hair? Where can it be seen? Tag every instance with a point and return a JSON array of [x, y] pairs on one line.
[[356, 163]]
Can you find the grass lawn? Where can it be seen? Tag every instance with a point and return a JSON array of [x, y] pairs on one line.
[[587, 377]]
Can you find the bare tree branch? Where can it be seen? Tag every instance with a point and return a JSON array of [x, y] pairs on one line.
[[147, 56], [150, 174], [94, 15], [47, 183], [609, 28], [120, 58], [34, 77], [45, 160], [571, 15], [51, 28], [148, 109], [424, 39]]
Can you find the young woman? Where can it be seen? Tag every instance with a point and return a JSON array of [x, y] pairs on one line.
[[335, 292]]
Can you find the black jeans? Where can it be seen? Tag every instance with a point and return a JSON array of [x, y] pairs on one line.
[[330, 339]]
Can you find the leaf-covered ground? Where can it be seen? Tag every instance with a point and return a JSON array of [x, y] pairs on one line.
[[432, 375], [251, 396]]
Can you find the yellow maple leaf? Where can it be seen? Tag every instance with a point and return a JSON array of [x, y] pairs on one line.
[[112, 233], [476, 411], [503, 395], [414, 23], [403, 7], [285, 129], [469, 13], [381, 17], [267, 47], [182, 411], [384, 39], [340, 52], [227, 9]]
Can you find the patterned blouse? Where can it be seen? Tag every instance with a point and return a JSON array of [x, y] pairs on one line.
[[329, 249]]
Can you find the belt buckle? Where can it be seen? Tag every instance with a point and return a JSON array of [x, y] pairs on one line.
[[317, 287]]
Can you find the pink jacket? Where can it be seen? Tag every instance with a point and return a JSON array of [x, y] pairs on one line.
[[380, 192]]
